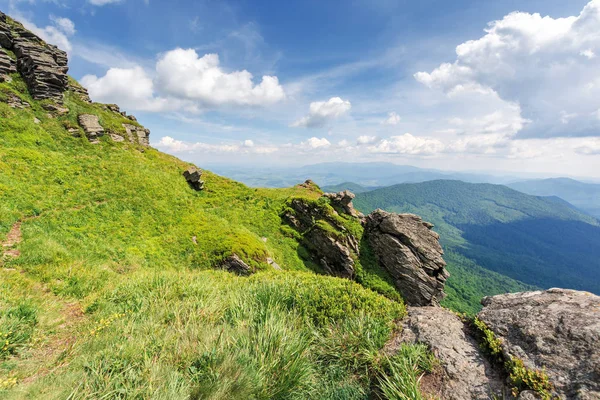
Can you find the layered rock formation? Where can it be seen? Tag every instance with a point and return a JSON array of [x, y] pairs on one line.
[[91, 126], [236, 265], [137, 133], [7, 66], [558, 330], [42, 66], [410, 251], [343, 201], [465, 372], [330, 243]]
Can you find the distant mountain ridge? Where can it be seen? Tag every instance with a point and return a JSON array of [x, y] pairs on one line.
[[585, 196], [539, 241]]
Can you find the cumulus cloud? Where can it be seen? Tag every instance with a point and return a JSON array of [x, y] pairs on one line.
[[322, 112], [315, 143], [182, 81], [526, 60], [172, 145], [366, 139], [392, 119], [408, 144], [183, 74]]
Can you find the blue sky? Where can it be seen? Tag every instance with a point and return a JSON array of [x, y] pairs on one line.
[[461, 85]]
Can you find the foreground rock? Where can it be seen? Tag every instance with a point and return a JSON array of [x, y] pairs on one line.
[[137, 133], [343, 201], [192, 175], [329, 242], [558, 330], [7, 66], [465, 373], [236, 265], [91, 126], [410, 251]]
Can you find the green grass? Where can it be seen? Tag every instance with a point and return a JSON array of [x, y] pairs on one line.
[[115, 293]]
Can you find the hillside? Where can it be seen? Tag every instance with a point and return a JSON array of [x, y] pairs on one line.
[[585, 196], [538, 241], [353, 187]]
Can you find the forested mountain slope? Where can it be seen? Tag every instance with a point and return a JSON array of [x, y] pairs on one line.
[[535, 240]]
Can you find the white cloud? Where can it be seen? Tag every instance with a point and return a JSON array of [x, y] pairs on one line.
[[589, 147], [365, 139], [392, 119], [172, 145], [526, 60], [316, 143], [408, 144], [64, 24], [104, 2], [182, 74], [321, 112]]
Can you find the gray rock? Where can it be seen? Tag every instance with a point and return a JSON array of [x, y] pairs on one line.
[[329, 243], [7, 66], [193, 176], [137, 134], [410, 251], [117, 138], [466, 374], [91, 126], [80, 91], [556, 329], [235, 264], [343, 201], [16, 102], [55, 109]]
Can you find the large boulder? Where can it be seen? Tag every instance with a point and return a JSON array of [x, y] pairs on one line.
[[193, 177], [91, 126], [410, 251], [465, 373], [557, 330], [343, 201], [329, 242]]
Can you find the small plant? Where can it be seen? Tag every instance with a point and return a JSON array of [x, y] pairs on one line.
[[523, 378]]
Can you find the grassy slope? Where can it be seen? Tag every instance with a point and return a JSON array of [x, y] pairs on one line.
[[519, 236], [111, 297]]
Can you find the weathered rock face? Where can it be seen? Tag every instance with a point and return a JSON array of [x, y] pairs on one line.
[[137, 134], [16, 102], [91, 126], [330, 244], [80, 91], [7, 65], [343, 201], [466, 374], [410, 251], [556, 329], [235, 264], [193, 176]]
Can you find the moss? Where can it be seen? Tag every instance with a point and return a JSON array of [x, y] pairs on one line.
[[520, 377]]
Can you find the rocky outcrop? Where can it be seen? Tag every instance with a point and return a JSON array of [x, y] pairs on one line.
[[410, 251], [193, 176], [16, 102], [7, 66], [465, 372], [330, 243], [80, 92], [235, 264], [137, 134], [343, 201], [42, 66], [90, 125], [558, 330]]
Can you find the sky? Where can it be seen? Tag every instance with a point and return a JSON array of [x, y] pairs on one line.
[[504, 85]]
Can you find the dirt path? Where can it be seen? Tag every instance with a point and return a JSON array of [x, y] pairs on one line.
[[14, 238]]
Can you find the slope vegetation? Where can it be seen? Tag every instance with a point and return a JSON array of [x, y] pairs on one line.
[[539, 241]]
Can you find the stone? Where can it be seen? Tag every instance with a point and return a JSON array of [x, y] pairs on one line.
[[7, 66], [80, 91], [91, 126], [334, 252], [556, 329], [235, 264], [36, 121], [410, 251], [192, 175], [117, 138], [137, 134], [55, 109], [343, 201], [466, 374], [273, 264], [15, 101]]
